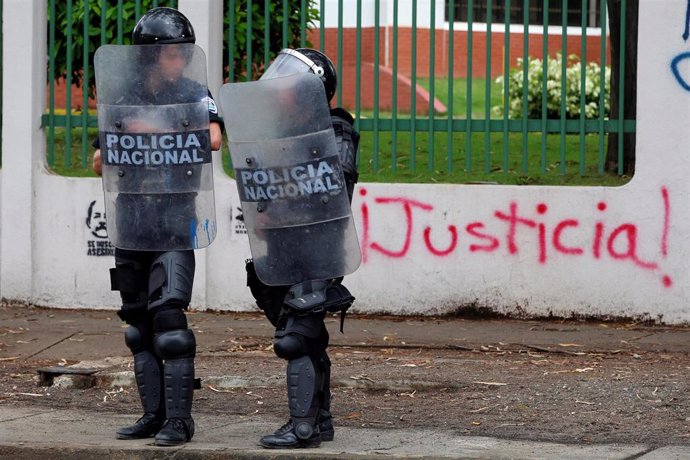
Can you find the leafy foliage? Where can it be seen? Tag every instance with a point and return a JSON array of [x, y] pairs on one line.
[[259, 25], [535, 71], [68, 28]]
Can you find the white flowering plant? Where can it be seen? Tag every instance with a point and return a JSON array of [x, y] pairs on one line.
[[535, 71]]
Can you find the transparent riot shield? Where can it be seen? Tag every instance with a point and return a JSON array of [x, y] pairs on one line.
[[155, 146], [290, 182]]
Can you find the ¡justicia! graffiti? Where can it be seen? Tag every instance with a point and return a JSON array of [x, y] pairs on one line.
[[618, 242]]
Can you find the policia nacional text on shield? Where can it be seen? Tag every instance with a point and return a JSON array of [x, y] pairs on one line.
[[289, 178], [155, 147]]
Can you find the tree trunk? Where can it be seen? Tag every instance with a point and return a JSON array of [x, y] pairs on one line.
[[629, 85]]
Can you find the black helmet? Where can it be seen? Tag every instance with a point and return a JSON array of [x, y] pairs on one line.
[[162, 26], [324, 69], [291, 61]]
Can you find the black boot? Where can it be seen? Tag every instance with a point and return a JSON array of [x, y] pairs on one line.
[[175, 431], [148, 378], [145, 427], [179, 389], [302, 431], [325, 423], [286, 438]]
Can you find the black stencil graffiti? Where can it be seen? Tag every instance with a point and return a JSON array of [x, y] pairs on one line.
[[95, 222], [240, 228], [100, 248]]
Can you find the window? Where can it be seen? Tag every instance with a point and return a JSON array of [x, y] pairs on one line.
[[535, 14]]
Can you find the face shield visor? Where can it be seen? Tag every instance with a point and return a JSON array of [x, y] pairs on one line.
[[290, 62]]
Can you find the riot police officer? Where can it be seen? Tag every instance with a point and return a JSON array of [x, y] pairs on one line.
[[155, 283], [298, 311]]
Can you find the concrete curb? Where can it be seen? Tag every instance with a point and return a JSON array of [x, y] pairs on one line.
[[125, 379]]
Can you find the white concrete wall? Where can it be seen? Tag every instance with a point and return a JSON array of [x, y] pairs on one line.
[[368, 17], [427, 249], [406, 10], [24, 67]]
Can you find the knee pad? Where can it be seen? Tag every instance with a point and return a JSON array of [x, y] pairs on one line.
[[175, 344], [138, 338], [290, 346], [171, 279], [172, 337]]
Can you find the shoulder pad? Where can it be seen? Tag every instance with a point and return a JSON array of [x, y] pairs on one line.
[[342, 113]]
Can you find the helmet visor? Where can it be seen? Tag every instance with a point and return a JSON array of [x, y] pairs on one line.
[[290, 62]]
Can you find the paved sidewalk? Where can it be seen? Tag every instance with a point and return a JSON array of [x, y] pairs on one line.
[[50, 333], [92, 336], [27, 433]]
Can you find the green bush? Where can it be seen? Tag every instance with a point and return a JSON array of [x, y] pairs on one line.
[[535, 71], [114, 32]]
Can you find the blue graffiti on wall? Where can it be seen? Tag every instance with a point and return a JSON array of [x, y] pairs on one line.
[[686, 34], [676, 73], [675, 63]]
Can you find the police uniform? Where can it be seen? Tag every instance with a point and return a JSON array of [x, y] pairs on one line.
[[156, 286], [301, 336]]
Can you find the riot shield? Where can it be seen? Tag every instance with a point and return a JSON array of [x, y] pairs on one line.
[[155, 146], [289, 178]]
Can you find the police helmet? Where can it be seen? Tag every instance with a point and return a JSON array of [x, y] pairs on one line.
[[163, 25], [291, 61]]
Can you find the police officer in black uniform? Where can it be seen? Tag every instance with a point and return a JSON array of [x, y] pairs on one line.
[[156, 286], [301, 336]]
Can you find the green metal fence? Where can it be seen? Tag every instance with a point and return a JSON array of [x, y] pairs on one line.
[[77, 28], [400, 143]]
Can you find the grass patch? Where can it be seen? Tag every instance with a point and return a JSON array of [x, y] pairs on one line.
[[78, 162], [452, 165], [442, 161], [460, 95]]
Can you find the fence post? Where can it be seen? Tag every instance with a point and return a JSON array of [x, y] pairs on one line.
[[207, 18], [23, 143]]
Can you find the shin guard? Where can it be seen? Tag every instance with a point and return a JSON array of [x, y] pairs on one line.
[[147, 373], [178, 375], [303, 384]]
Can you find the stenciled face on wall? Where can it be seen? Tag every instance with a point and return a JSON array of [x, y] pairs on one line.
[[95, 221]]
